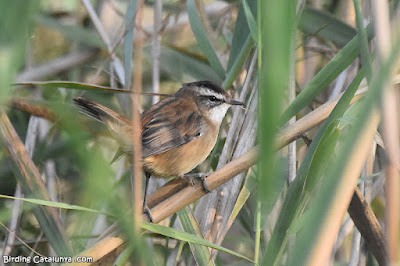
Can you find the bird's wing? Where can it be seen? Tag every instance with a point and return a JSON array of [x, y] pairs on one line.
[[166, 131]]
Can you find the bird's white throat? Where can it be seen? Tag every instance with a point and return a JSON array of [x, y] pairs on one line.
[[217, 113]]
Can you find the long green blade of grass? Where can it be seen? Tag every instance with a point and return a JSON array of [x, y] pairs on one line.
[[55, 204], [241, 33], [190, 225], [325, 26], [274, 42], [238, 63], [275, 38], [202, 38], [250, 20], [183, 236]]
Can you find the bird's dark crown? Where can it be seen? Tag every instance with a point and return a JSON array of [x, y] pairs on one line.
[[206, 84]]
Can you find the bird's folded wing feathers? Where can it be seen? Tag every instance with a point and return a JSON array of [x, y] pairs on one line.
[[163, 133]]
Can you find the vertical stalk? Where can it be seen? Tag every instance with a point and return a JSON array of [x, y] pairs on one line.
[[136, 123], [390, 133]]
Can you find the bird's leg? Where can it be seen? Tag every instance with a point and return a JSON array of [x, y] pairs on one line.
[[202, 177], [146, 208]]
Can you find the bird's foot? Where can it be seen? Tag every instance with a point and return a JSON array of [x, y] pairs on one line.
[[202, 177]]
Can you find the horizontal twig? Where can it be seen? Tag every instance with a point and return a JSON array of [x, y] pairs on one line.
[[33, 109], [190, 193]]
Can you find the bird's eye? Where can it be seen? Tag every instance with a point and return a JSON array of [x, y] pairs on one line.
[[212, 98]]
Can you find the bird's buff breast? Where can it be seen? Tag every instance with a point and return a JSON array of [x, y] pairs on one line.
[[181, 160]]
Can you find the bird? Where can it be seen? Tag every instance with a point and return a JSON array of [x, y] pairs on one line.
[[178, 132]]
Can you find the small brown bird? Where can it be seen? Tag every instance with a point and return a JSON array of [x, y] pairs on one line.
[[178, 133]]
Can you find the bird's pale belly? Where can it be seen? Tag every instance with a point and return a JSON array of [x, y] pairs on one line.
[[181, 160]]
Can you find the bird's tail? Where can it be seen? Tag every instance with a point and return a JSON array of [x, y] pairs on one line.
[[97, 111], [117, 124]]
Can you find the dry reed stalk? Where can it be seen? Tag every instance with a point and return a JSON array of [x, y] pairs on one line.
[[391, 134], [136, 123]]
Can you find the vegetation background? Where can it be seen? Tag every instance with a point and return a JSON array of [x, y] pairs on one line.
[[308, 173]]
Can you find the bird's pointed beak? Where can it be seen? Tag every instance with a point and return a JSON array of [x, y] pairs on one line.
[[233, 102]]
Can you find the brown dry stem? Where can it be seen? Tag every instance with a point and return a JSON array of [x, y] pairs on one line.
[[33, 109], [366, 222]]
